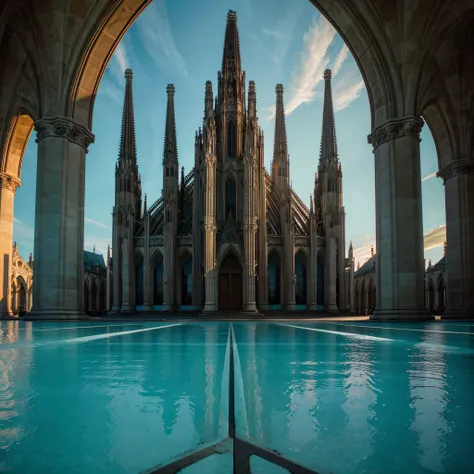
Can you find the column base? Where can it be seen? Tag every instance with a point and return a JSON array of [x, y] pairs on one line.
[[454, 314], [115, 309], [167, 308], [263, 306], [8, 315], [44, 315], [291, 307], [127, 309], [333, 308], [210, 308], [313, 307], [147, 308], [250, 308], [415, 314]]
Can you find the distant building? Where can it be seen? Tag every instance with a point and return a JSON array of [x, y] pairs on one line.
[[95, 283], [365, 288], [21, 283]]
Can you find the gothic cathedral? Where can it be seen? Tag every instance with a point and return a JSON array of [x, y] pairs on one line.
[[228, 235]]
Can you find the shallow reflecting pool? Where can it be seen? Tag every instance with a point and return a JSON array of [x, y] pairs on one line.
[[345, 397]]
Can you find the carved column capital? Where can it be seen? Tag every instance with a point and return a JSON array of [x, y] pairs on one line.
[[8, 182], [455, 168], [396, 128], [209, 227], [251, 227], [63, 127]]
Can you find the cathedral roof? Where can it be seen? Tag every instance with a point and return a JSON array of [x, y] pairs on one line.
[[368, 267], [437, 267], [94, 262]]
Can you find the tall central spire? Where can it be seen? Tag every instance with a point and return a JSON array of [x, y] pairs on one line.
[[231, 54], [170, 151], [328, 151], [128, 149]]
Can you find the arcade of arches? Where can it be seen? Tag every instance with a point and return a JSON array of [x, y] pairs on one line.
[[416, 64]]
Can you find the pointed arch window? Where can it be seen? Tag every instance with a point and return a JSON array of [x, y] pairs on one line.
[[139, 284], [300, 287], [231, 140], [273, 280], [230, 197], [187, 282], [158, 284]]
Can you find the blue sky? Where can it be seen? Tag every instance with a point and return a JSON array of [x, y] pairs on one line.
[[181, 43]]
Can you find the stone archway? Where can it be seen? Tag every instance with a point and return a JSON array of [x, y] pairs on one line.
[[230, 284]]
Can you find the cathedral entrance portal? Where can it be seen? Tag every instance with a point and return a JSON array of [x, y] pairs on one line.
[[230, 284]]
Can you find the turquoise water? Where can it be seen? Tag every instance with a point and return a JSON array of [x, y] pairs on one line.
[[345, 397]]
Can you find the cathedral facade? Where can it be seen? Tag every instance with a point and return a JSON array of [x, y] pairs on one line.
[[228, 235]]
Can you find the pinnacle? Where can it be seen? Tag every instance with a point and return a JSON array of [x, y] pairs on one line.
[[170, 89], [327, 75], [128, 74]]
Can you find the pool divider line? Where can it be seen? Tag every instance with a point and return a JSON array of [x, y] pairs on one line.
[[465, 333], [341, 333], [243, 448]]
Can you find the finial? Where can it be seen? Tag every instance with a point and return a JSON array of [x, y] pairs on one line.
[[93, 249], [445, 248], [429, 263], [170, 89], [128, 74], [145, 207], [279, 90], [372, 251], [232, 15], [350, 244], [327, 75]]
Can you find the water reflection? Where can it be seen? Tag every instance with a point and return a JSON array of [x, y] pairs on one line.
[[120, 404], [341, 405]]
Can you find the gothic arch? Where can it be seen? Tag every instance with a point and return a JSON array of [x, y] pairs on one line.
[[15, 144], [430, 295], [229, 248], [157, 262], [185, 277], [230, 281], [441, 289], [275, 276]]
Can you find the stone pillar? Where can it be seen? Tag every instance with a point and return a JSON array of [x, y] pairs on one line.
[[116, 261], [210, 268], [458, 179], [249, 277], [313, 268], [8, 186], [126, 297], [59, 217], [399, 227], [147, 289], [331, 265]]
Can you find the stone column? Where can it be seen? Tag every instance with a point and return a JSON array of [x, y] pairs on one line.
[[313, 268], [331, 265], [126, 296], [116, 261], [147, 293], [59, 217], [210, 268], [458, 179], [399, 226], [8, 186], [249, 278]]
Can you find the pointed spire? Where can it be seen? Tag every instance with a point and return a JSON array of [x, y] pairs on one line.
[[170, 152], [280, 150], [208, 101], [252, 100], [372, 251], [231, 54], [429, 263], [128, 149], [145, 208], [328, 151], [445, 248]]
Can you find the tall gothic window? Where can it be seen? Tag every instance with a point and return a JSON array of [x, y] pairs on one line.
[[187, 282], [230, 197], [231, 140], [139, 284], [273, 280], [300, 287], [158, 284]]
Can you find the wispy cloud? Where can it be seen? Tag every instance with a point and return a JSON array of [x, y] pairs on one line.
[[432, 175], [347, 90], [155, 31], [111, 90], [432, 239], [313, 59], [96, 223], [340, 58], [435, 237], [23, 234]]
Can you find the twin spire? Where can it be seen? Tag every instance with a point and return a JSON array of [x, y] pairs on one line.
[[128, 149], [280, 150], [328, 151], [170, 151]]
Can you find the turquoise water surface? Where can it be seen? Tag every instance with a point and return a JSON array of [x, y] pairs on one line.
[[345, 397]]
